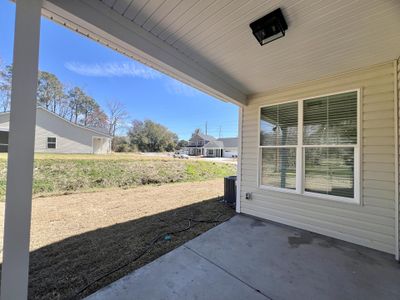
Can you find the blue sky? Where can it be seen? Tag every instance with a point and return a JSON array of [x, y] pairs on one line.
[[107, 75]]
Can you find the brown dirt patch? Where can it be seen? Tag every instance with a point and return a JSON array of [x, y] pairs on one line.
[[80, 237]]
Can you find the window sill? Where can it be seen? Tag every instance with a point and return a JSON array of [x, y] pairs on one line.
[[353, 201], [277, 189], [332, 198]]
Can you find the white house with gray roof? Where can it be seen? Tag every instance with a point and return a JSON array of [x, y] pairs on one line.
[[207, 145], [55, 134]]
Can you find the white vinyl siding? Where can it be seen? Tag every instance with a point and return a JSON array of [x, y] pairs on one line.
[[69, 137], [372, 223]]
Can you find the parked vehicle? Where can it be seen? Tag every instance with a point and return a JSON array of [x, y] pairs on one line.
[[180, 155]]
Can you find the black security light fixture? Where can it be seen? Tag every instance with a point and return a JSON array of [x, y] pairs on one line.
[[270, 27]]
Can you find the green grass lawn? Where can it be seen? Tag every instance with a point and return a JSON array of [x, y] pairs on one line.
[[60, 174]]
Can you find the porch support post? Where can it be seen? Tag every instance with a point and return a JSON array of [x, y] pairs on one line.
[[239, 160], [14, 281]]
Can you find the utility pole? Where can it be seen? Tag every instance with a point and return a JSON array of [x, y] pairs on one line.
[[220, 132], [206, 127]]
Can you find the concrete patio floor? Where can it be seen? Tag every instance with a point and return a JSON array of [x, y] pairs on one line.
[[246, 258]]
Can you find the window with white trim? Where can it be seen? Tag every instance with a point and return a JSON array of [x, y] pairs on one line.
[[311, 146], [51, 143]]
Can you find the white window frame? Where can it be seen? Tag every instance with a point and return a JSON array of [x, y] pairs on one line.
[[55, 143], [300, 153]]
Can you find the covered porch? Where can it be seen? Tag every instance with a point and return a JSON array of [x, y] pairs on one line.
[[330, 48], [214, 152], [247, 258], [214, 149]]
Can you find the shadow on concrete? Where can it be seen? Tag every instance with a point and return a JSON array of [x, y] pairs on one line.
[[60, 270]]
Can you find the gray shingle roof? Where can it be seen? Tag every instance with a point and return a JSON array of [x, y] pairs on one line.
[[214, 144], [229, 142], [206, 137]]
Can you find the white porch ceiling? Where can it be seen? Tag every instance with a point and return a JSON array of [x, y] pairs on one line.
[[324, 38]]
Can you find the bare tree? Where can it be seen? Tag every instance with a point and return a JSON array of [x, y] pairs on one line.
[[64, 110], [117, 115], [50, 91], [77, 97], [97, 118], [5, 87]]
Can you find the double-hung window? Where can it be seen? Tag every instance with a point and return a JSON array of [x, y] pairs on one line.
[[51, 143], [311, 147]]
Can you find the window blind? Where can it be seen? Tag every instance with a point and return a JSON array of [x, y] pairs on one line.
[[330, 120], [327, 146], [279, 125]]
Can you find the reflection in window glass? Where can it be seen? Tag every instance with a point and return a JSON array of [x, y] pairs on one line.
[[330, 171], [331, 120], [279, 167], [279, 125]]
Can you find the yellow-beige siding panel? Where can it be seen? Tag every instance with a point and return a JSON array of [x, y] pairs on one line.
[[372, 223]]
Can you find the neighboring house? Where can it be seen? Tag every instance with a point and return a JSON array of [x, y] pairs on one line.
[[197, 142], [55, 134], [207, 145]]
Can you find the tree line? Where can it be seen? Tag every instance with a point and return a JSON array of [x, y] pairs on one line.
[[71, 103], [148, 136]]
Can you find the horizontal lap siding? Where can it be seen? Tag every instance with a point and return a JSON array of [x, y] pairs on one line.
[[69, 137], [370, 224]]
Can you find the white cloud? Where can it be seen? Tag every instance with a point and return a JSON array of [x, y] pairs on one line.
[[131, 69], [174, 86]]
